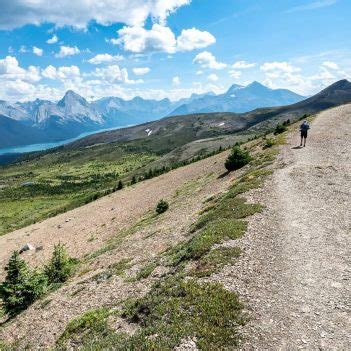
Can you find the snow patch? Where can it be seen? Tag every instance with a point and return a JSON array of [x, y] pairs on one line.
[[221, 124], [148, 131]]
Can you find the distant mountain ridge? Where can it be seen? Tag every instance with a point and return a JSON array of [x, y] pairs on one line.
[[240, 99], [46, 121]]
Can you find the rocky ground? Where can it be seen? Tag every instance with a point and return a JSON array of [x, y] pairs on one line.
[[295, 270]]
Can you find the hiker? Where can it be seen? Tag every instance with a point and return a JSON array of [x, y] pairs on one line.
[[304, 129]]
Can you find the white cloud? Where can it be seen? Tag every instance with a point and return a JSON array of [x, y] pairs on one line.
[[140, 71], [161, 38], [279, 67], [330, 65], [23, 49], [37, 51], [10, 70], [193, 38], [61, 73], [79, 13], [207, 60], [176, 81], [105, 58], [213, 77], [67, 51], [235, 74], [53, 39], [199, 73], [243, 65], [113, 74]]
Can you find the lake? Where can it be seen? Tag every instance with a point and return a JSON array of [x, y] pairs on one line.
[[45, 146]]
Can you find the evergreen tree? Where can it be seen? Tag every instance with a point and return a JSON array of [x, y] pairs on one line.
[[21, 287], [60, 266], [120, 185], [238, 158]]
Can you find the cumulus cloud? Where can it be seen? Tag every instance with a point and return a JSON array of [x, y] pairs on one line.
[[52, 40], [140, 71], [193, 38], [243, 65], [176, 80], [207, 60], [138, 39], [213, 77], [161, 38], [61, 73], [11, 70], [105, 58], [113, 74], [330, 65], [235, 74], [67, 51], [279, 67], [79, 13], [37, 51]]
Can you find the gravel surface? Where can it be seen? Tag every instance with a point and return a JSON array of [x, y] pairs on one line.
[[294, 273]]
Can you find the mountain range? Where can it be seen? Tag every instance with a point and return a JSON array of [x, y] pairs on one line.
[[39, 121]]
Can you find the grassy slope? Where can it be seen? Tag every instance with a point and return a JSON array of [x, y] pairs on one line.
[[182, 306]]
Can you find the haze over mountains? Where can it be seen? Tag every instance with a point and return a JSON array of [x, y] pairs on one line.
[[46, 121]]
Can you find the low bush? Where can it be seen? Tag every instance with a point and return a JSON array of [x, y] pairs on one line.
[[162, 206], [237, 159], [269, 143]]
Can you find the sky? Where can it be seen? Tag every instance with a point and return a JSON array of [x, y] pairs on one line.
[[170, 48]]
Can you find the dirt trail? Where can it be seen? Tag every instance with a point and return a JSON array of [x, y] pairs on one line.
[[295, 273]]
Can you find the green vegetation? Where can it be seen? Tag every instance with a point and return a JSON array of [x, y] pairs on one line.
[[21, 286], [173, 310], [269, 143], [279, 129], [86, 325], [162, 206], [179, 305], [238, 158], [60, 266], [146, 271], [214, 261], [58, 181], [117, 268]]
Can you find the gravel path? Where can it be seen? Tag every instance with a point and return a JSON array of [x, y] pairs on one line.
[[295, 270]]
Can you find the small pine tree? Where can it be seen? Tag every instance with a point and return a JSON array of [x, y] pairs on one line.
[[60, 266], [21, 287], [133, 180], [279, 129], [162, 206], [120, 185], [238, 158]]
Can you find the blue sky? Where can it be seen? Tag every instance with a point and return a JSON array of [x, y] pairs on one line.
[[170, 48]]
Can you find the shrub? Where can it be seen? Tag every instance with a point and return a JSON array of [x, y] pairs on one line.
[[120, 185], [279, 129], [238, 158], [162, 206], [60, 266], [269, 143], [21, 287]]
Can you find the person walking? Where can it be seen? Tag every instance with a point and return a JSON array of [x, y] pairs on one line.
[[304, 131]]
